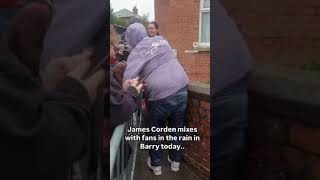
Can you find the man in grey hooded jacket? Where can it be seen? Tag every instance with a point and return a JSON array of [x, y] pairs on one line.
[[153, 59]]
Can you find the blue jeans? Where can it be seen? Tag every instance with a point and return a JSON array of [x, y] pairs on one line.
[[229, 132], [173, 109]]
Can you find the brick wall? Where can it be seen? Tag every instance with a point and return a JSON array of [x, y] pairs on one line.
[[284, 126], [179, 23], [197, 153], [284, 32]]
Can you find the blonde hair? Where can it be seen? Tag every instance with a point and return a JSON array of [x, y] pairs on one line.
[[114, 36]]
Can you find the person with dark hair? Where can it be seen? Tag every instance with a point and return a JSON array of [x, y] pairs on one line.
[[153, 29], [231, 66]]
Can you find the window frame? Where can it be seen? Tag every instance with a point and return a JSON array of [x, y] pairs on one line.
[[201, 11]]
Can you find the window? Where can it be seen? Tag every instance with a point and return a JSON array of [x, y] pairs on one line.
[[204, 24]]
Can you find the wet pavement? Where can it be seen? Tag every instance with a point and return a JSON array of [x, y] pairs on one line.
[[142, 171]]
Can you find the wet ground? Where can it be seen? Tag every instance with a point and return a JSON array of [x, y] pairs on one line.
[[142, 171]]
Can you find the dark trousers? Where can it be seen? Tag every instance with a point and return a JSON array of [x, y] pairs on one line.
[[229, 132], [172, 109]]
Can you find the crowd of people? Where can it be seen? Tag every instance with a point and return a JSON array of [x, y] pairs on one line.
[[152, 61], [231, 66]]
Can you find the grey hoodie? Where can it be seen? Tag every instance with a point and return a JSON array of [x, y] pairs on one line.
[[153, 57]]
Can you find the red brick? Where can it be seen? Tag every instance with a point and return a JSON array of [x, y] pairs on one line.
[[204, 114], [207, 132], [179, 23], [205, 123], [305, 138], [200, 131], [205, 105], [268, 154], [195, 102], [194, 110], [287, 18]]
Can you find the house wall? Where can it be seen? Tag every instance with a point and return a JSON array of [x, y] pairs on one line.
[[284, 126], [179, 23], [282, 32], [197, 153]]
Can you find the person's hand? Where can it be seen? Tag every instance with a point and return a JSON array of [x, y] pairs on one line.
[[120, 52], [58, 68], [130, 82], [134, 83], [139, 87]]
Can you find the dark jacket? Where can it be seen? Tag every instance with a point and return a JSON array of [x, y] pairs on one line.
[[41, 134], [231, 59], [123, 104]]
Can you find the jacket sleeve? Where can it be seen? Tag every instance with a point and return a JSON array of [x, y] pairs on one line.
[[69, 107], [135, 65], [122, 104]]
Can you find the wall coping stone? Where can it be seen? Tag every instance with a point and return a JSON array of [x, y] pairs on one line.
[[286, 91], [200, 90]]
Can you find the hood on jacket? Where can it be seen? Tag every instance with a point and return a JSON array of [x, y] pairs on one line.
[[135, 33]]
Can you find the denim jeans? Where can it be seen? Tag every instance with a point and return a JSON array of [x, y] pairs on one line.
[[173, 109], [229, 132]]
